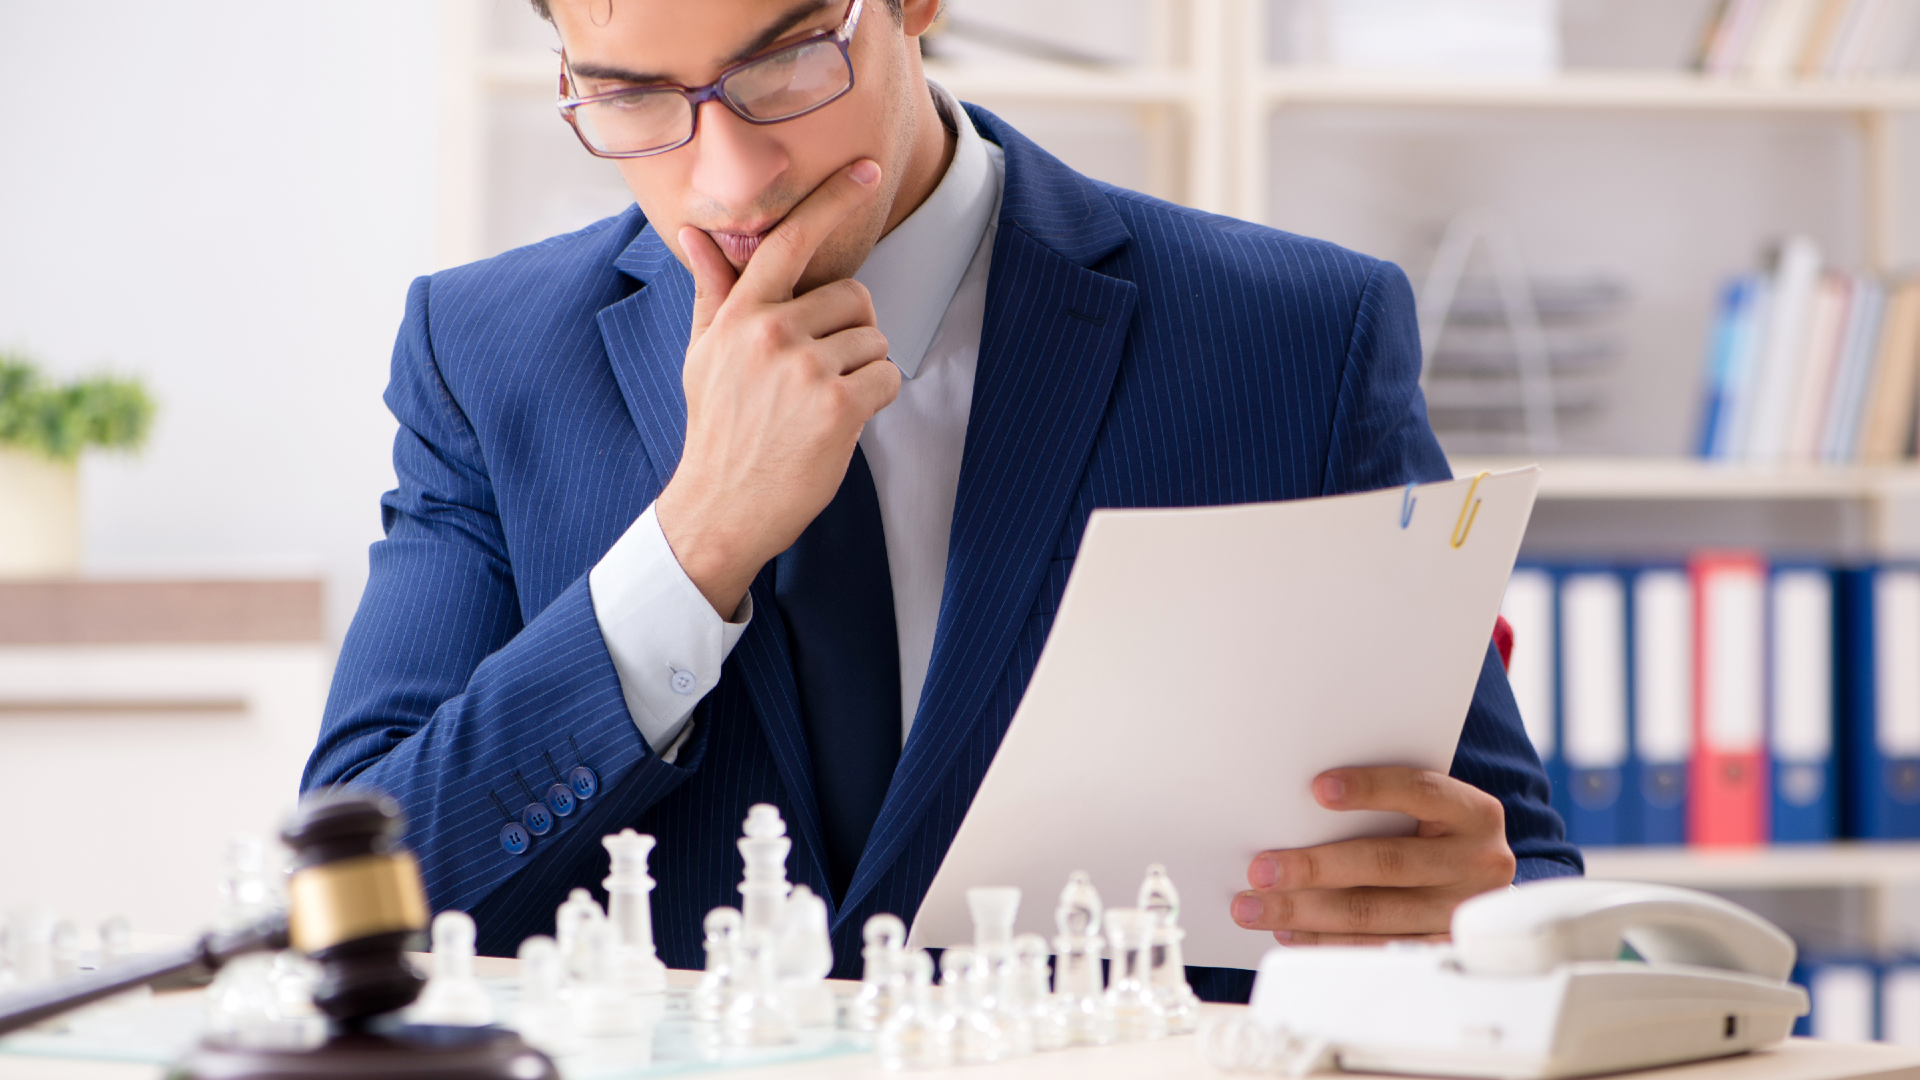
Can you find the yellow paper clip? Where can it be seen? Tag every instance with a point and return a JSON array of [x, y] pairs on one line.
[[1469, 510]]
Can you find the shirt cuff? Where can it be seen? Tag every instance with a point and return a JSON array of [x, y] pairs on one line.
[[666, 641]]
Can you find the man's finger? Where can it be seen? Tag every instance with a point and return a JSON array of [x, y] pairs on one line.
[[831, 308], [1402, 861], [1426, 796], [783, 256], [1308, 937], [1348, 911], [713, 277], [872, 387], [851, 350]]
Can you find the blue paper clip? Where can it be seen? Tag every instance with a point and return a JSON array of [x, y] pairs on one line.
[[1407, 503]]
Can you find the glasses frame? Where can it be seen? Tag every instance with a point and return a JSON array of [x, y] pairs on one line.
[[696, 96]]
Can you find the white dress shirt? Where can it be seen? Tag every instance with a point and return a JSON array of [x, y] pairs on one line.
[[928, 279]]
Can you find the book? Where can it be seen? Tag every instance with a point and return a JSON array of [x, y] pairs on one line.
[[1743, 365], [1819, 361], [1795, 276], [1853, 378], [1727, 792], [1662, 693], [1777, 40], [1716, 413], [1805, 807], [1822, 31], [1888, 425]]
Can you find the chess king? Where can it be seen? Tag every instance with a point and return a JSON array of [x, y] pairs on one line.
[[766, 489]]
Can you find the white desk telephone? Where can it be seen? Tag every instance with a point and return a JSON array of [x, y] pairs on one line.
[[1532, 987]]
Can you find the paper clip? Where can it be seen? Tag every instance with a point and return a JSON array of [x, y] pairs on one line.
[[1469, 510], [1407, 503]]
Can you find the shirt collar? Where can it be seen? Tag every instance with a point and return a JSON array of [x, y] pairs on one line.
[[913, 271]]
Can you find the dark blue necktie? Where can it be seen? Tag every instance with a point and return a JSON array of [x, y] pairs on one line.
[[835, 594]]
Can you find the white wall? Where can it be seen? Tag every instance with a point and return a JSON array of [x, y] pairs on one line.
[[226, 199]]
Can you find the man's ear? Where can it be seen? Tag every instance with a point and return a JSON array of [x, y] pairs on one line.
[[917, 15]]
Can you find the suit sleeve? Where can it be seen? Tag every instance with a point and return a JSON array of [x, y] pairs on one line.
[[1381, 439], [443, 698]]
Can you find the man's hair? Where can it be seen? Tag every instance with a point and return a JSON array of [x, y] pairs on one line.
[[546, 12]]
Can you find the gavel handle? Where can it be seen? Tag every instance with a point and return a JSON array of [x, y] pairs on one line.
[[205, 956]]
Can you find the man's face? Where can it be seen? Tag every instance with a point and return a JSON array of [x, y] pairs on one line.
[[736, 180]]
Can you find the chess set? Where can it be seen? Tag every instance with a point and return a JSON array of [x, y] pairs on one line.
[[594, 1000]]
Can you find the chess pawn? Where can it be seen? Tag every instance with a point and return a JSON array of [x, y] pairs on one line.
[[575, 913], [603, 1006], [978, 1038], [453, 996], [715, 989], [1078, 986], [805, 957], [759, 1014], [541, 1016], [763, 887], [636, 966], [1167, 973], [883, 978], [1045, 1012], [247, 892], [919, 1033], [1137, 1015]]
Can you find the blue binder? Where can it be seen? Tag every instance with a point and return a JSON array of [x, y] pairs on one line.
[[1661, 718], [1595, 743], [1802, 654], [1531, 607], [1844, 995], [1879, 617]]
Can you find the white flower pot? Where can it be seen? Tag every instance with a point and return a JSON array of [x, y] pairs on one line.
[[39, 515]]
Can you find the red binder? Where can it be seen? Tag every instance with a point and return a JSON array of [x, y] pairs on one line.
[[1728, 801]]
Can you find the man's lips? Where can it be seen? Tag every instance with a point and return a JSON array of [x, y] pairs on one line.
[[739, 247]]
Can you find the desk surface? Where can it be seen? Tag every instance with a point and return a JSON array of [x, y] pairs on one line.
[[1797, 1059]]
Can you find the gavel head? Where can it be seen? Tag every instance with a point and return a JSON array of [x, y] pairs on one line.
[[354, 903]]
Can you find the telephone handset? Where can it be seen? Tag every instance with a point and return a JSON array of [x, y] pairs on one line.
[[1534, 987]]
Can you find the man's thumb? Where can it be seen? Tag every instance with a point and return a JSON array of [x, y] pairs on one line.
[[713, 276]]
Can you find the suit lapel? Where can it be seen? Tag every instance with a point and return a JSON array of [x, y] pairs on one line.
[[646, 339], [1050, 346]]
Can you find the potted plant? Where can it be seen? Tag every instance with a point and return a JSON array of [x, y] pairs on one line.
[[43, 429]]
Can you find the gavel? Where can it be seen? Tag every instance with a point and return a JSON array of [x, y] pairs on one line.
[[354, 902]]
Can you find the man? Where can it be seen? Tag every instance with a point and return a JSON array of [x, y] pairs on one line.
[[766, 490]]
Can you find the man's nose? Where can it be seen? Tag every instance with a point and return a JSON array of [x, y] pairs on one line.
[[734, 162]]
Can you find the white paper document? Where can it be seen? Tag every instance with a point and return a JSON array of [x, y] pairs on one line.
[[1204, 666]]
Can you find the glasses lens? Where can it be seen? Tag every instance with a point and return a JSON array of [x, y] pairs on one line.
[[637, 122], [789, 83]]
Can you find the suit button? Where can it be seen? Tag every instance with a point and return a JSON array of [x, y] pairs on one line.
[[513, 837], [560, 800], [682, 681], [585, 783], [537, 818]]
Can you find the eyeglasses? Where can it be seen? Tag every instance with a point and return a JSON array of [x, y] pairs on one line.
[[790, 81]]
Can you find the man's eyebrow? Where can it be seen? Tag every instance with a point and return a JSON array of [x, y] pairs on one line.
[[774, 31]]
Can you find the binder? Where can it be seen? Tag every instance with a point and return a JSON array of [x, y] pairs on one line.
[[1530, 608], [1900, 1002], [1805, 807], [1728, 793], [1845, 1001], [1593, 705], [1662, 714], [1880, 701]]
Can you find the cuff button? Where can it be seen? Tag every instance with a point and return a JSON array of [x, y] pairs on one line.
[[513, 837], [537, 818], [682, 681], [560, 800], [585, 782]]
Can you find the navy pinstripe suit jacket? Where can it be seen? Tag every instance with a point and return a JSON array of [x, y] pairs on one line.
[[1135, 353]]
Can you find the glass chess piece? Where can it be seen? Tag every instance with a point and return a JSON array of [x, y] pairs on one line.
[[603, 1005], [1078, 985], [1045, 1012], [453, 995], [994, 910], [575, 913], [759, 1014], [805, 958], [542, 1017], [919, 1033], [883, 976], [116, 946], [1167, 973], [978, 1037], [635, 965], [763, 887], [715, 989], [1137, 1015]]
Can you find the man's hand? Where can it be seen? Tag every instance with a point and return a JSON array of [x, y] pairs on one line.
[[778, 389], [1368, 892]]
